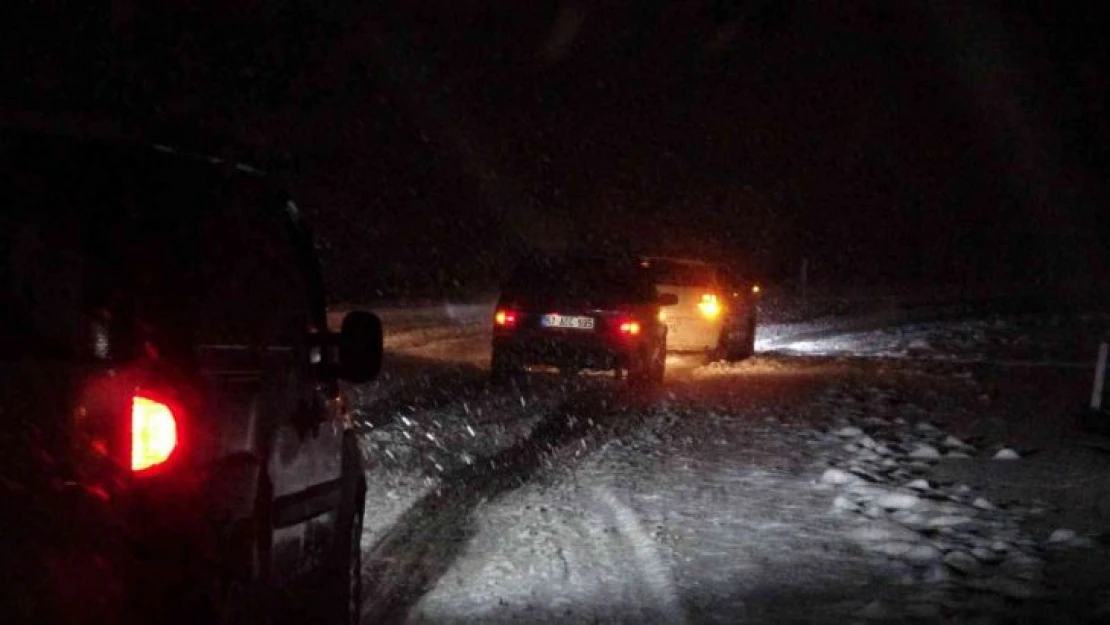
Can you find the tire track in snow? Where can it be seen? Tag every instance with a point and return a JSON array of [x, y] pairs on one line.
[[654, 571], [586, 560]]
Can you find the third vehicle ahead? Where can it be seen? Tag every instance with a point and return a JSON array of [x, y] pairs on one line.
[[581, 312], [715, 312]]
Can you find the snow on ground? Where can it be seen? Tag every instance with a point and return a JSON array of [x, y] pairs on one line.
[[638, 535], [971, 551], [793, 487], [795, 524], [1044, 339], [408, 455]]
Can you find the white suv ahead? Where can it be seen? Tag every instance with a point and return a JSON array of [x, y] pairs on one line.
[[715, 313]]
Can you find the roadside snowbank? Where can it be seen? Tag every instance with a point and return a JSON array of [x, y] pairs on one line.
[[1055, 340]]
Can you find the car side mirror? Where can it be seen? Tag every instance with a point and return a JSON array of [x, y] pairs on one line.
[[360, 347], [668, 299]]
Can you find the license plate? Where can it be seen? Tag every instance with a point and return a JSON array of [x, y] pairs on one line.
[[567, 321]]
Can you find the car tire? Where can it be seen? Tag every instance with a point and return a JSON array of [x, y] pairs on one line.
[[648, 371], [219, 581], [742, 351], [751, 337], [351, 597], [239, 589], [503, 366], [716, 354], [659, 367], [242, 598], [346, 579], [345, 582]]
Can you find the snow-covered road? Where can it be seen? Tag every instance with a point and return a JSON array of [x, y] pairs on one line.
[[806, 485]]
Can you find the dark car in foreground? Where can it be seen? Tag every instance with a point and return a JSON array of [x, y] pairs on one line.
[[580, 312], [173, 447]]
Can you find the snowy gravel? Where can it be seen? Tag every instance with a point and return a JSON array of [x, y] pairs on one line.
[[1032, 339], [791, 488]]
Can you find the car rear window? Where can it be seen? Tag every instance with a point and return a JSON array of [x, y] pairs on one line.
[[675, 273]]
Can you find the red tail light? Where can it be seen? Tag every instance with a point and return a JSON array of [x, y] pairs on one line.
[[153, 433], [504, 318], [630, 328]]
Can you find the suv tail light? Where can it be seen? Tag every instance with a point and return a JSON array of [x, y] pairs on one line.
[[629, 328], [505, 318], [709, 305], [153, 433]]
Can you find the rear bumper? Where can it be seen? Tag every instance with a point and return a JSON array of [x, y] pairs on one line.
[[566, 352], [85, 556], [63, 561], [693, 333], [689, 334]]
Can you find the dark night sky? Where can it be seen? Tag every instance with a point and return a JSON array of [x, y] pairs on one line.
[[887, 142]]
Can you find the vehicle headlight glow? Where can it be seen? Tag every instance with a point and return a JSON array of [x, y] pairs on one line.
[[709, 305]]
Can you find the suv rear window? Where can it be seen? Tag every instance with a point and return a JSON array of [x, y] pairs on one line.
[[581, 278], [675, 273]]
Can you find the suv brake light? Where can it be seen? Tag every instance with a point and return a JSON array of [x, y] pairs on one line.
[[630, 328], [709, 305], [505, 318], [153, 433]]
